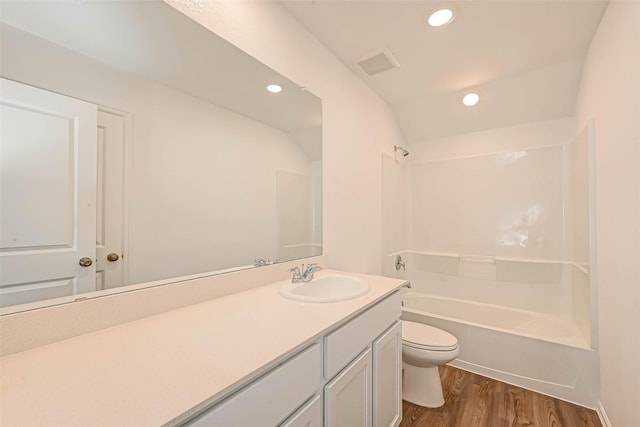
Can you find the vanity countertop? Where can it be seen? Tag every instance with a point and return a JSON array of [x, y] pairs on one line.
[[164, 368]]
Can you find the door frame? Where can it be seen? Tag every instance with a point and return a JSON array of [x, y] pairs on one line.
[[127, 167]]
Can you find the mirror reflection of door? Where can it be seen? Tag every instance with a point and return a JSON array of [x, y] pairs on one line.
[[57, 198], [110, 189]]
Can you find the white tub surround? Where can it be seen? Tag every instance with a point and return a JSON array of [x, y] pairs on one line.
[[165, 368], [511, 290]]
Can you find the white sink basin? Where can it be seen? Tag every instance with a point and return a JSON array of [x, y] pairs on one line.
[[328, 288]]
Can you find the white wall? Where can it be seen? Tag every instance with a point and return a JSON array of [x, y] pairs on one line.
[[185, 153], [609, 92], [357, 124], [204, 187], [395, 209], [294, 216]]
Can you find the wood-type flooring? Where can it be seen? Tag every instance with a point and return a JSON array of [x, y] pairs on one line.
[[475, 401]]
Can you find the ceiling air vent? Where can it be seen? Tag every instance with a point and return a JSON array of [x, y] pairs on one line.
[[379, 63]]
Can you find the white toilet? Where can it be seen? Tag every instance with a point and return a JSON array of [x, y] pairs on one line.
[[423, 349]]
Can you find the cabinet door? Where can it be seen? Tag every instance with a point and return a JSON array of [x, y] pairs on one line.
[[387, 378], [310, 415], [348, 396]]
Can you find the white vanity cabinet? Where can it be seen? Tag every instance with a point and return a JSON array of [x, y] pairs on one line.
[[366, 355], [348, 378], [368, 392]]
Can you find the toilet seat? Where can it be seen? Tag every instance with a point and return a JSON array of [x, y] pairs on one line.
[[425, 337]]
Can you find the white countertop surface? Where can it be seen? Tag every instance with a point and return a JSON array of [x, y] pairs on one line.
[[164, 368]]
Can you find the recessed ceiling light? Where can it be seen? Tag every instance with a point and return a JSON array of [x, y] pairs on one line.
[[440, 17], [471, 99], [274, 88]]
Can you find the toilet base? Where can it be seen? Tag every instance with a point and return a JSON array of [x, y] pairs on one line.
[[422, 386]]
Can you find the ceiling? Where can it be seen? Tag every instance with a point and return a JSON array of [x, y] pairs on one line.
[[524, 57]]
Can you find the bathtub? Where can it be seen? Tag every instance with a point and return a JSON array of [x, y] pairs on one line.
[[538, 351], [508, 320]]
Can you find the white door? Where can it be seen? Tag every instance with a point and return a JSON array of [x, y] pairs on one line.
[[387, 378], [109, 197], [348, 396], [47, 194]]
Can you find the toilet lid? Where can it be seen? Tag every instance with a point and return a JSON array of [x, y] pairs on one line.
[[427, 337]]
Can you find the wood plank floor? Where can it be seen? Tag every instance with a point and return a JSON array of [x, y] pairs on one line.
[[475, 401]]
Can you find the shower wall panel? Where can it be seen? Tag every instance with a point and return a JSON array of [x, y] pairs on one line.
[[579, 197], [509, 204]]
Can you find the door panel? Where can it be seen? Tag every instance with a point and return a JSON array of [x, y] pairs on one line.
[[37, 170], [110, 197], [34, 291], [48, 181]]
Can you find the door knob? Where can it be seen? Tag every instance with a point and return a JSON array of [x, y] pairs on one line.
[[85, 262], [112, 257]]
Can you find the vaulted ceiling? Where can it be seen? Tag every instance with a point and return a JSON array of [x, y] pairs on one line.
[[523, 57]]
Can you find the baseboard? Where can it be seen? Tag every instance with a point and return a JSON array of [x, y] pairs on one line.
[[564, 392], [602, 414]]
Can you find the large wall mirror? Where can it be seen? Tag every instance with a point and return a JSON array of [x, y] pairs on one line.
[[137, 146]]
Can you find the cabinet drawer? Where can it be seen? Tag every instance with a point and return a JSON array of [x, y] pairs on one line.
[[344, 344], [271, 398], [310, 415]]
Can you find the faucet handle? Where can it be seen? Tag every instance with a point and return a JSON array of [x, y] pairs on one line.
[[313, 267], [307, 276]]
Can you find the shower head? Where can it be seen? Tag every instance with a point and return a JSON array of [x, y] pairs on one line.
[[404, 152]]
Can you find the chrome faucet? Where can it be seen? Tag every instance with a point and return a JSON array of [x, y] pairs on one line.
[[304, 274], [311, 269]]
